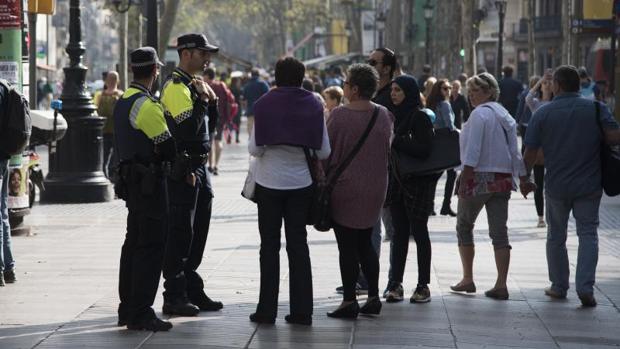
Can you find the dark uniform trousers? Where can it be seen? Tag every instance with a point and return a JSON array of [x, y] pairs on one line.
[[190, 215], [143, 250]]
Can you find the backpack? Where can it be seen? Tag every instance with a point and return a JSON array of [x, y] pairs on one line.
[[15, 121]]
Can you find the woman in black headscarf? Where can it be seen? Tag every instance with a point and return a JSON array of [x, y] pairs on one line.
[[410, 197]]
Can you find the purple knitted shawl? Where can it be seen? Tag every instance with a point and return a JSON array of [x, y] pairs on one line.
[[289, 116]]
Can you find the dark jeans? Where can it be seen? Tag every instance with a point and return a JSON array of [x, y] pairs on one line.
[[449, 190], [189, 227], [292, 206], [355, 248], [141, 262], [404, 225], [539, 179]]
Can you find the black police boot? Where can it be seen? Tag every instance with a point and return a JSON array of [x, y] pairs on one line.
[[204, 303], [180, 307], [150, 324]]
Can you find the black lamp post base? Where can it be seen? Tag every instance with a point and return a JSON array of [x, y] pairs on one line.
[[77, 190]]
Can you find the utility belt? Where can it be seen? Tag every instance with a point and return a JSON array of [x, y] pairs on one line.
[[184, 164], [133, 175]]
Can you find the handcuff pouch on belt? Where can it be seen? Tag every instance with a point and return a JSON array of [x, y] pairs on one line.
[[181, 167]]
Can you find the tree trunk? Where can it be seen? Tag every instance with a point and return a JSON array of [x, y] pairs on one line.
[[532, 69], [166, 24], [468, 37]]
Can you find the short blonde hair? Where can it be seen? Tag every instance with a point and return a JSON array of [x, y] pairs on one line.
[[334, 92], [487, 83]]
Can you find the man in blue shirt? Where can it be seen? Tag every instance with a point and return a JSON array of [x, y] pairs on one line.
[[252, 91], [567, 131]]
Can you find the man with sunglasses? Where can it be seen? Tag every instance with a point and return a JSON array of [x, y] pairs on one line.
[[384, 61], [191, 112]]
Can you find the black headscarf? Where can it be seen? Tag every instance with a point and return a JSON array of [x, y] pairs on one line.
[[411, 103]]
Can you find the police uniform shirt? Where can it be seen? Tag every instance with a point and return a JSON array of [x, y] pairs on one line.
[[191, 123]]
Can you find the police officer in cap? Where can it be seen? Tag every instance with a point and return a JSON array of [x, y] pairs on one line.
[[144, 145], [191, 112]]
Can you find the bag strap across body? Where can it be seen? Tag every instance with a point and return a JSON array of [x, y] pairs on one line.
[[343, 166]]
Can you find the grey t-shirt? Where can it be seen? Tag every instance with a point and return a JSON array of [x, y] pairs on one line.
[[570, 138]]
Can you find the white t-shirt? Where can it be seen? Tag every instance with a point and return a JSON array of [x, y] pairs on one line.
[[284, 167]]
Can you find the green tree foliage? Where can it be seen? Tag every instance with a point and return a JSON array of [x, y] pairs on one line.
[[268, 23]]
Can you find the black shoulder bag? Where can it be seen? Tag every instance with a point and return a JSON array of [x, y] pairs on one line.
[[320, 208], [610, 161]]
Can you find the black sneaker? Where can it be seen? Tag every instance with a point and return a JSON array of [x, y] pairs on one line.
[[395, 294], [421, 295], [153, 324], [9, 276], [204, 303], [180, 307], [2, 279]]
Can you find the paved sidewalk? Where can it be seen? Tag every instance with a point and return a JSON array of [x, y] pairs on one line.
[[66, 296]]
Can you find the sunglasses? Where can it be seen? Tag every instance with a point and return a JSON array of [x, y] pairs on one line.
[[373, 62]]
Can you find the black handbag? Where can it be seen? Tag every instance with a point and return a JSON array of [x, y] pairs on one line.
[[610, 161], [320, 207], [445, 154]]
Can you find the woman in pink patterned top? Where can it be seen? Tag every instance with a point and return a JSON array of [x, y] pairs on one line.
[[360, 190]]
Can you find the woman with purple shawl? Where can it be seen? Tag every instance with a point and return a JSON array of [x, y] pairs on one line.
[[287, 120]]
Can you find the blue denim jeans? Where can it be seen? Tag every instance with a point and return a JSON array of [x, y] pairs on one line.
[[585, 211], [6, 256]]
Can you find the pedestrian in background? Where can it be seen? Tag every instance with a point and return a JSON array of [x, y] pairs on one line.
[[105, 108], [235, 89], [410, 197], [524, 114], [459, 104], [538, 96], [225, 101], [191, 110], [438, 102], [359, 193], [568, 132], [490, 159], [288, 119], [333, 98], [252, 91], [510, 89]]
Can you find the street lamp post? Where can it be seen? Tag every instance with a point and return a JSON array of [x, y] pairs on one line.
[[428, 16], [76, 173], [380, 29], [501, 9]]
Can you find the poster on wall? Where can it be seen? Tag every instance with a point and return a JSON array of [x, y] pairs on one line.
[[10, 14], [18, 182], [8, 71]]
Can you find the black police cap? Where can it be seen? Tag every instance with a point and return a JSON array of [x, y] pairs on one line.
[[144, 56], [197, 41]]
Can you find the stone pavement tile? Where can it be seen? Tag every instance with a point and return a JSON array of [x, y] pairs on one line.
[[256, 344], [387, 346], [463, 345], [303, 334]]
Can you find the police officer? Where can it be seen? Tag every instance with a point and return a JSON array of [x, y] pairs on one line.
[[144, 145], [191, 112]]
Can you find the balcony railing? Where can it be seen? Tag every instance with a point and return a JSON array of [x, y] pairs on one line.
[[547, 24]]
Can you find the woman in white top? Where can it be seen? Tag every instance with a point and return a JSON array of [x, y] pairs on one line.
[[287, 120], [490, 159]]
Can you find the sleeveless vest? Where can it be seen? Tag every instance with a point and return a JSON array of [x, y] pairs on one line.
[[131, 144]]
